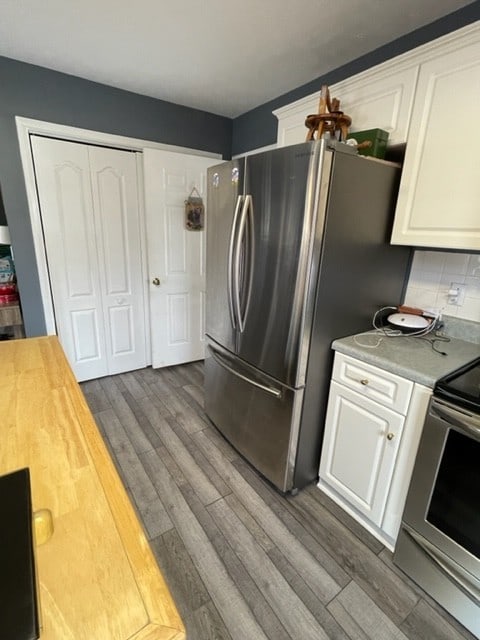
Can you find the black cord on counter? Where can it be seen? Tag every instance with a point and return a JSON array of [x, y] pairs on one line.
[[432, 341]]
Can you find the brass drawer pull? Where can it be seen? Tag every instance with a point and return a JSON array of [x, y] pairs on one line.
[[390, 436], [364, 381]]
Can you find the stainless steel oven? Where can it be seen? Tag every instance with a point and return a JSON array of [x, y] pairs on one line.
[[439, 540]]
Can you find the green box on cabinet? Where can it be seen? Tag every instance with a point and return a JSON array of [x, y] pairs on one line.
[[378, 139]]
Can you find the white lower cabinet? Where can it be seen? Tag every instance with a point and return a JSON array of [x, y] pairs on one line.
[[373, 425], [359, 450]]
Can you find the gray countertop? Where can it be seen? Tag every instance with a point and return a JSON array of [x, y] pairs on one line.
[[410, 357]]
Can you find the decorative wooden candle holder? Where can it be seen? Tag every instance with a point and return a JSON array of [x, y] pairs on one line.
[[329, 118]]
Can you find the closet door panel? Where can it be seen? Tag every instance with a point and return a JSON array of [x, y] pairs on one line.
[[117, 218], [65, 197]]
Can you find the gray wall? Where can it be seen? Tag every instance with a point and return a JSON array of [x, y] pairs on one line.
[[258, 127], [35, 92]]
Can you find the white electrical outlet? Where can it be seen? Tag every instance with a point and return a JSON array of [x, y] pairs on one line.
[[456, 294]]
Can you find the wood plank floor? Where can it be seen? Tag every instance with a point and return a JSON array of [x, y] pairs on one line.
[[242, 561]]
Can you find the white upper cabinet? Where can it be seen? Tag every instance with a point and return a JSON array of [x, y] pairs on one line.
[[428, 97], [380, 98], [439, 199]]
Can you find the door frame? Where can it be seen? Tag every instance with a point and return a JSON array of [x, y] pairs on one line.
[[27, 127]]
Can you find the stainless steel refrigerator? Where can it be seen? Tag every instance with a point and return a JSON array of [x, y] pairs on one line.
[[298, 254]]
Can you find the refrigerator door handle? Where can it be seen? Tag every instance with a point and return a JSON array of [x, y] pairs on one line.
[[230, 274], [245, 270], [237, 267], [219, 360], [251, 258]]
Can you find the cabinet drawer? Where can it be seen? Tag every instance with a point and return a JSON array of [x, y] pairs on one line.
[[388, 389]]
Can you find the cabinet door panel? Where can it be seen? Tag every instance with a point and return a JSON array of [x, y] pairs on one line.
[[440, 190], [379, 98], [383, 101], [359, 450]]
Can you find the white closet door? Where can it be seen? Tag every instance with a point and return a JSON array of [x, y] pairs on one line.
[[94, 264], [176, 256], [115, 203]]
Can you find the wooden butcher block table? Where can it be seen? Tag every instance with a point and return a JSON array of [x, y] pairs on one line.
[[97, 577]]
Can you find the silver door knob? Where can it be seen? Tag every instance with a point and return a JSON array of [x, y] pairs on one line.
[[156, 282], [390, 436]]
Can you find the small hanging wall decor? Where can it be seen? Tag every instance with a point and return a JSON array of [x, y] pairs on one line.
[[194, 211]]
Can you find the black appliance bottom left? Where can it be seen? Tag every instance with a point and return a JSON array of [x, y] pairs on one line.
[[18, 593]]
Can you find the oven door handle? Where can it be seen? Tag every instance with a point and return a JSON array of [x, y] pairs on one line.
[[464, 421]]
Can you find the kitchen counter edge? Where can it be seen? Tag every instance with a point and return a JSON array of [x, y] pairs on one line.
[[410, 357]]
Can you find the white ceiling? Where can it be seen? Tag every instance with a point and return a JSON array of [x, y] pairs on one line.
[[217, 55]]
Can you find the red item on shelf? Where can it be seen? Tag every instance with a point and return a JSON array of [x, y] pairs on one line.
[[7, 289]]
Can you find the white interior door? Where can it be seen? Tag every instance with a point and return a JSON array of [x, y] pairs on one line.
[[118, 232], [176, 256], [90, 214]]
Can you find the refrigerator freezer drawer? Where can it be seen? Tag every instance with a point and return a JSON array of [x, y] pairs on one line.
[[256, 414]]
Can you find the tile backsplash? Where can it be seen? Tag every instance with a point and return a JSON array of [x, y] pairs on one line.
[[432, 275]]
